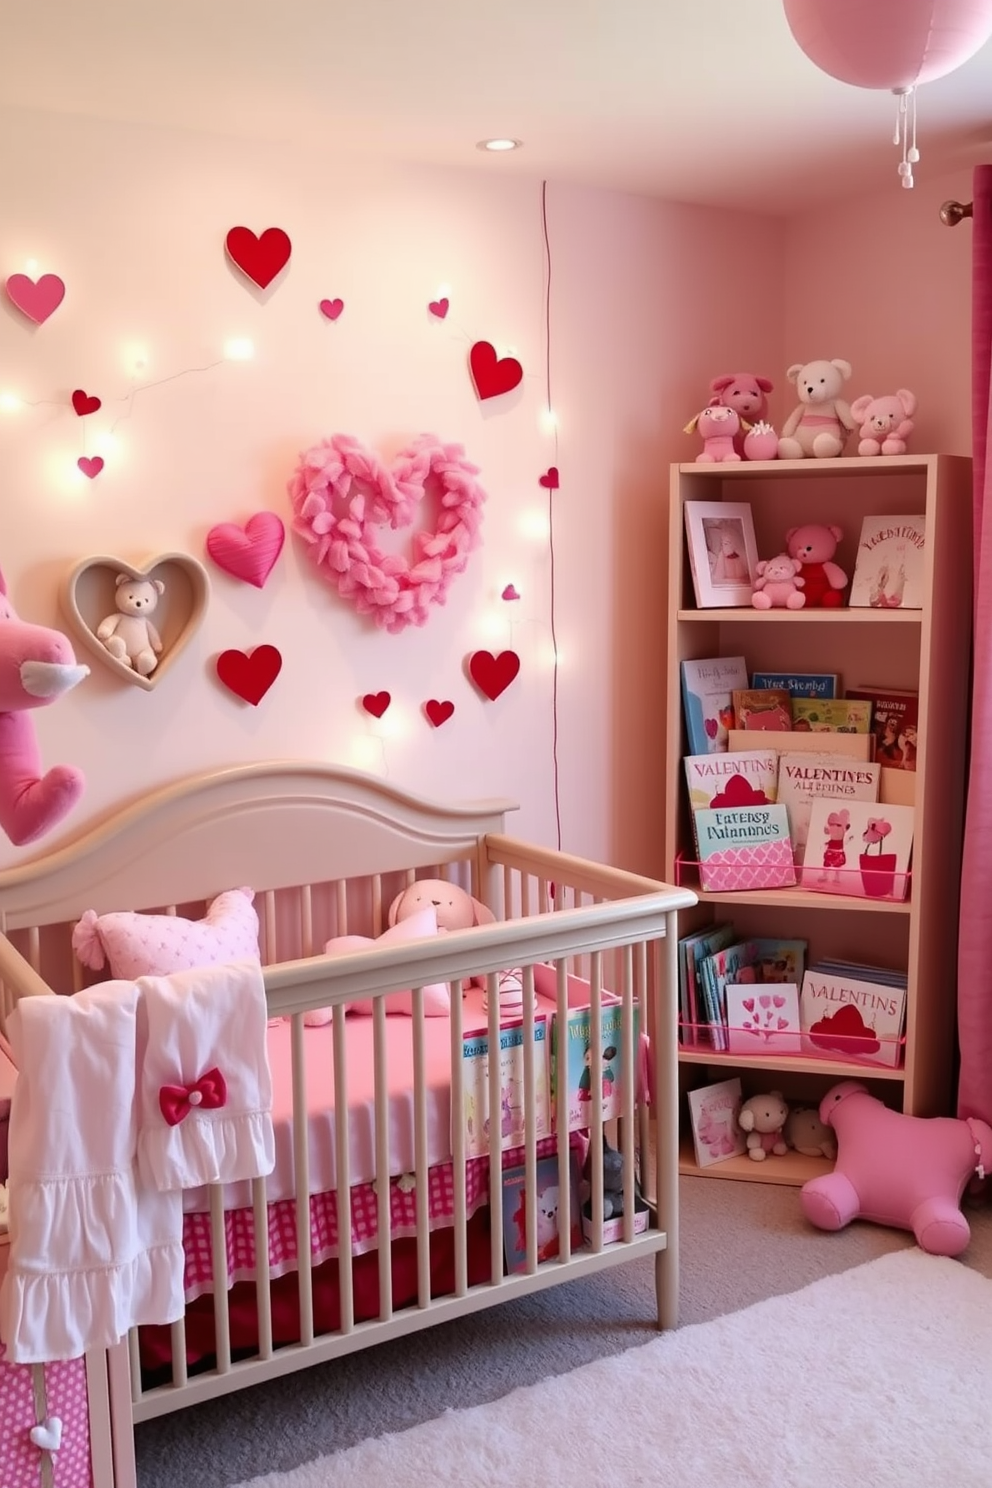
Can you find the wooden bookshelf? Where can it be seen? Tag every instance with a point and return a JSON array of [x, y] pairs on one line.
[[926, 649]]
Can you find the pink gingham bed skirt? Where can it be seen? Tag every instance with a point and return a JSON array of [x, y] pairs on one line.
[[240, 1229]]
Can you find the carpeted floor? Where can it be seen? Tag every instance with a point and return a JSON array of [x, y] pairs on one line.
[[878, 1376], [741, 1243]]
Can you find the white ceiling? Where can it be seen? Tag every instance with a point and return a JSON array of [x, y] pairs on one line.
[[695, 100]]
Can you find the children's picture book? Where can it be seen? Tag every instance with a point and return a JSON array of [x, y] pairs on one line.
[[799, 684], [861, 848], [894, 724], [723, 554], [744, 847], [698, 1029], [763, 1020], [546, 1207], [852, 746], [857, 1017], [767, 708], [780, 960], [727, 779], [713, 1112], [832, 715], [805, 778], [734, 963], [890, 565], [577, 1062], [475, 1072], [707, 699]]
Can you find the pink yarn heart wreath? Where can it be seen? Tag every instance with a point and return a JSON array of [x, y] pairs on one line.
[[341, 493]]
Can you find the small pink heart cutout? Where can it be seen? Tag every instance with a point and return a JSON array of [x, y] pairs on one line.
[[36, 301], [331, 309]]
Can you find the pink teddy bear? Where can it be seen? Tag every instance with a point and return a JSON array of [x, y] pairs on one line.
[[886, 423], [778, 584], [717, 427]]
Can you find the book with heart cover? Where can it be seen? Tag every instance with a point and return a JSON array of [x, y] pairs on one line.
[[744, 847], [763, 1019], [857, 1017], [731, 779]]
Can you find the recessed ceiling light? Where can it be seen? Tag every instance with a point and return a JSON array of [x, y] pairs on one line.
[[499, 144]]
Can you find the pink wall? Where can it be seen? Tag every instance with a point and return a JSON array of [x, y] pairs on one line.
[[880, 281], [649, 300]]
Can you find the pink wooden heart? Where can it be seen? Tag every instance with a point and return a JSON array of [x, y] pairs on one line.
[[248, 552], [36, 301], [331, 308], [438, 308], [90, 465], [510, 593]]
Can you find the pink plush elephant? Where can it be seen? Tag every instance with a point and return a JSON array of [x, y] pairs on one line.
[[904, 1171], [36, 667]]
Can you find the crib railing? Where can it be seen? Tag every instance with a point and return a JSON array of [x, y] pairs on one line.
[[616, 931]]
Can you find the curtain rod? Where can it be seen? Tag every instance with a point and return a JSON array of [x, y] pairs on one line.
[[952, 212]]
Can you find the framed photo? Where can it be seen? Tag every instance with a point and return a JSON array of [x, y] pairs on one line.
[[723, 554]]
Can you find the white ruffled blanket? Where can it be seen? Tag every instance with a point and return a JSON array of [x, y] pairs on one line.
[[177, 1070]]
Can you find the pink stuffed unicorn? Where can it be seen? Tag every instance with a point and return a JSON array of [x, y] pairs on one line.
[[36, 666]]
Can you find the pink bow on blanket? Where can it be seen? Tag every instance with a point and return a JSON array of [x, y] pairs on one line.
[[209, 1091]]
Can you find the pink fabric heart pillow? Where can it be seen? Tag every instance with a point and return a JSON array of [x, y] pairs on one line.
[[419, 926], [157, 945]]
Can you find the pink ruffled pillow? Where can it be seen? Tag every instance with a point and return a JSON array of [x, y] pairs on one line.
[[157, 945], [420, 926]]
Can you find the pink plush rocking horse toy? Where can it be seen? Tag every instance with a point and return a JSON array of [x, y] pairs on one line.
[[36, 666]]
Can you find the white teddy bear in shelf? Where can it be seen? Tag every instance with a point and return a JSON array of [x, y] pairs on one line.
[[130, 636]]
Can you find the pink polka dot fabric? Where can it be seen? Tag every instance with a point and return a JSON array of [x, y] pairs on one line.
[[157, 945], [65, 1390]]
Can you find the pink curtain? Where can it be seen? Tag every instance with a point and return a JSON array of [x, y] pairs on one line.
[[975, 930]]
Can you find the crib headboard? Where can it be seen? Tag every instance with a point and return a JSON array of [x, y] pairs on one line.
[[271, 826]]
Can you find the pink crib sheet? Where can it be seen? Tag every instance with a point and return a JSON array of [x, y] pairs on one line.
[[319, 1058]]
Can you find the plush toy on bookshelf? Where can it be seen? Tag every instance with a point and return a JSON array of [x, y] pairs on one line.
[[763, 1118]]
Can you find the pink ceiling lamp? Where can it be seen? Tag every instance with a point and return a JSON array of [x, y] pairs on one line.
[[894, 44]]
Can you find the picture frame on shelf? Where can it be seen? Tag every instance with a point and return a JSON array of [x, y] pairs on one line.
[[723, 553]]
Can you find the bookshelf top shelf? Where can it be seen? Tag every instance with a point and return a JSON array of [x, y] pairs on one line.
[[872, 466]]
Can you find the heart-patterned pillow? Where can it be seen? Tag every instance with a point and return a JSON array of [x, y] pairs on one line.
[[89, 598], [341, 492]]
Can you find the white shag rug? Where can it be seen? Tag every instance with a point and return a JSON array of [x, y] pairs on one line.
[[879, 1376]]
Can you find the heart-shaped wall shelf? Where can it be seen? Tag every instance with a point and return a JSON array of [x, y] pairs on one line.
[[88, 597]]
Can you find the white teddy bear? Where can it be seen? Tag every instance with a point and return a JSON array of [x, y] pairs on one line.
[[819, 426], [130, 636]]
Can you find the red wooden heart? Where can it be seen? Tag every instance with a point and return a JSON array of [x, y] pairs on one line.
[[260, 258], [549, 480], [491, 374], [248, 553], [331, 308], [438, 308], [85, 403], [376, 703], [249, 676], [438, 713], [90, 465], [493, 674]]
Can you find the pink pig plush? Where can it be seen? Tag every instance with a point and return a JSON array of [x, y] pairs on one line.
[[746, 394], [906, 1171], [886, 423], [36, 666]]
